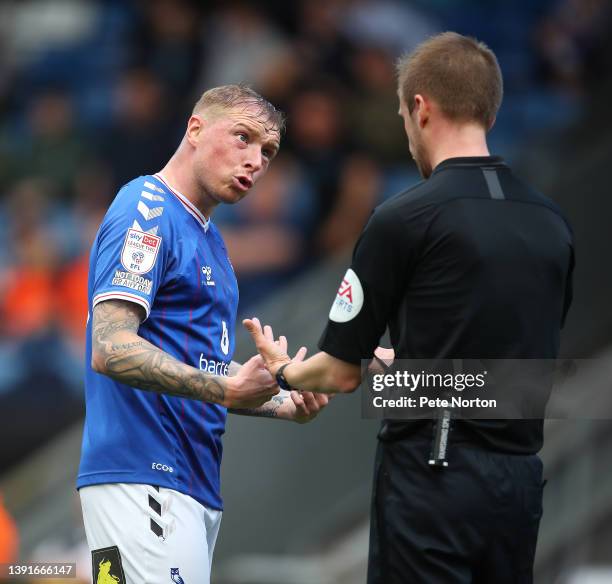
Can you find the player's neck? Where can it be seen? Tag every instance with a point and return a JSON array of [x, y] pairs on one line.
[[184, 183], [458, 142]]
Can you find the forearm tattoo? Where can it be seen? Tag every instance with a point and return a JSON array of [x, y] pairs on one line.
[[140, 364], [271, 409]]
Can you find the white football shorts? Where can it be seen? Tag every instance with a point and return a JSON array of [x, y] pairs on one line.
[[139, 534]]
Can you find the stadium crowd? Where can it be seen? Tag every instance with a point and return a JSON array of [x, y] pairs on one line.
[[95, 92]]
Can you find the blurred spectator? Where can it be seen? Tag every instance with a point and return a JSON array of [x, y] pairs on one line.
[[93, 193], [57, 24], [279, 79], [51, 145], [143, 135], [321, 48], [317, 136], [389, 24], [9, 537], [372, 110], [71, 302], [26, 301], [266, 234], [359, 190], [168, 42], [569, 41], [240, 44]]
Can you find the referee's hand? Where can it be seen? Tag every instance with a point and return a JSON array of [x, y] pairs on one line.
[[382, 360], [274, 354]]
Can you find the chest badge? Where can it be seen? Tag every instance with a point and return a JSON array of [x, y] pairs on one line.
[[208, 279]]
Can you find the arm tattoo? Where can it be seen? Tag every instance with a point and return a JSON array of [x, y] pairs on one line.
[[132, 360], [268, 410]]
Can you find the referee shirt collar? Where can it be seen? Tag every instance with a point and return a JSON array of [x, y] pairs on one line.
[[474, 161]]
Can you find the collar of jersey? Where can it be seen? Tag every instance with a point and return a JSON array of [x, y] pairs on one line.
[[189, 206], [471, 161]]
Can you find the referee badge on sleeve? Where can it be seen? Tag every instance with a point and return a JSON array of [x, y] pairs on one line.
[[106, 566], [349, 299]]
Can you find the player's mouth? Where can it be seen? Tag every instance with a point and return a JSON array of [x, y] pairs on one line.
[[244, 183]]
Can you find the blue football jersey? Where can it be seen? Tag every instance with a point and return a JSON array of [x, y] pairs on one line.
[[154, 248]]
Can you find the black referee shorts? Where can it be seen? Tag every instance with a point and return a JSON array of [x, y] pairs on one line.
[[474, 522]]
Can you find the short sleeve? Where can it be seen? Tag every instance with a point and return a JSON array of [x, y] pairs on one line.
[[131, 247], [372, 288]]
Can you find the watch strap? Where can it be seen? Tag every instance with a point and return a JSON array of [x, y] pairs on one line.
[[281, 379]]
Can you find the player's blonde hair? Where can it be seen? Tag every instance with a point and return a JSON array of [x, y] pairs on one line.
[[228, 97], [460, 74]]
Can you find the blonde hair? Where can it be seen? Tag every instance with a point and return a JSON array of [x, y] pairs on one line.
[[227, 97]]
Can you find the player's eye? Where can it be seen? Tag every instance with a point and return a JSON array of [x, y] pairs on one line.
[[243, 137]]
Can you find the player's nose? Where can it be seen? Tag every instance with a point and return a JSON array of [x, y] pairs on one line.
[[254, 161]]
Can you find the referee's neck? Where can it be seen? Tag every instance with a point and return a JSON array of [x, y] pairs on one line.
[[457, 141]]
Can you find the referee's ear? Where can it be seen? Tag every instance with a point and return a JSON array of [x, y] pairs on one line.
[[422, 110]]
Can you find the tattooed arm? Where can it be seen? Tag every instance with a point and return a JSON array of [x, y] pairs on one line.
[[118, 352], [277, 407], [300, 407]]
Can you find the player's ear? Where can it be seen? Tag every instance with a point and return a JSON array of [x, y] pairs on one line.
[[195, 125]]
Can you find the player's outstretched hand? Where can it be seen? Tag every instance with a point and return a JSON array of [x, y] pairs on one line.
[[274, 354], [251, 387], [308, 405]]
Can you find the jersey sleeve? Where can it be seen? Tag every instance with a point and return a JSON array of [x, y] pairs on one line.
[[131, 247], [373, 286]]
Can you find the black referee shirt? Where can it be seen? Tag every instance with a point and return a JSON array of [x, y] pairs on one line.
[[471, 263]]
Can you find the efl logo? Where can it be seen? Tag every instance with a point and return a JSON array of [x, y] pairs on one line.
[[139, 251], [349, 299]]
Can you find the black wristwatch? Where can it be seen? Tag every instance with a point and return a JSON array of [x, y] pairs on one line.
[[281, 379]]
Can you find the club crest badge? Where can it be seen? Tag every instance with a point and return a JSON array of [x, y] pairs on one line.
[[106, 566]]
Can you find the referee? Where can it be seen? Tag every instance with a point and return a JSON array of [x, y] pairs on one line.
[[469, 263]]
